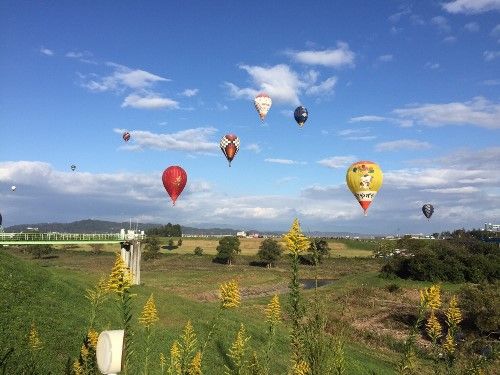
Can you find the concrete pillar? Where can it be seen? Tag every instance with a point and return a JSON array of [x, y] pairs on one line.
[[135, 262]]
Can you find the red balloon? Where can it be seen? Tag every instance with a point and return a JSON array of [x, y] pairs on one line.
[[174, 180], [126, 136]]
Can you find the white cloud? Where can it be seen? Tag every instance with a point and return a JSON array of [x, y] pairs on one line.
[[495, 32], [441, 23], [450, 39], [368, 118], [385, 58], [150, 101], [46, 51], [458, 190], [191, 140], [284, 161], [402, 144], [280, 82], [473, 27], [337, 161], [253, 147], [491, 82], [190, 92], [122, 78], [396, 17], [323, 88], [432, 66], [357, 134], [471, 6], [491, 55], [478, 112], [333, 58]]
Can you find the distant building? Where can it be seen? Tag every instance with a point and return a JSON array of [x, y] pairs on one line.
[[492, 227], [241, 234]]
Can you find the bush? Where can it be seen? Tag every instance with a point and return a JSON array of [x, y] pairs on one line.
[[393, 288], [198, 250], [96, 248], [318, 249], [457, 260], [227, 250], [39, 250], [152, 248], [481, 307], [270, 251]]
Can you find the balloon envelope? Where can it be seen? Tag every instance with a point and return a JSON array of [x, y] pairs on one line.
[[126, 136], [262, 104], [174, 180], [364, 179], [300, 114], [13, 188], [230, 145], [428, 210], [73, 167], [0, 219]]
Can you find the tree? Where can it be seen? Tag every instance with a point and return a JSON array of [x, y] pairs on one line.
[[227, 249], [318, 249], [179, 243], [152, 248], [270, 251], [38, 250], [198, 250]]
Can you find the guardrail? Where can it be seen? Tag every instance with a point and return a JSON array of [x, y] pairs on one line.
[[12, 238]]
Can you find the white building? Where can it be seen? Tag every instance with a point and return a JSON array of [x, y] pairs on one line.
[[492, 227], [241, 234]]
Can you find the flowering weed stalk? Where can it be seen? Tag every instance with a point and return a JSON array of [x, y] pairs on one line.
[[149, 316]]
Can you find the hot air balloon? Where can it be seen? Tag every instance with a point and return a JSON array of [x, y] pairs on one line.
[[364, 179], [13, 188], [126, 136], [300, 115], [0, 220], [262, 104], [174, 180], [73, 167], [428, 210], [230, 144]]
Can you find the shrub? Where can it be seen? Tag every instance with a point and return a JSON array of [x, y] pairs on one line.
[[227, 250], [96, 248], [198, 250], [481, 307], [152, 248], [39, 250], [270, 251]]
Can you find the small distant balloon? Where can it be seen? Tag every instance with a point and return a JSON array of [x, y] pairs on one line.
[[174, 180], [300, 114], [13, 188], [230, 144], [0, 220], [73, 167], [428, 210], [262, 104], [364, 179], [126, 136]]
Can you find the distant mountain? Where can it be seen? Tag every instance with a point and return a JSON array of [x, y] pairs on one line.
[[81, 226]]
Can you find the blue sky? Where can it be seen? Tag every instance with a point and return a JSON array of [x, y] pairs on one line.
[[411, 85]]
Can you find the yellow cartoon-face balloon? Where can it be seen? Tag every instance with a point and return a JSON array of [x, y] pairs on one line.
[[364, 179]]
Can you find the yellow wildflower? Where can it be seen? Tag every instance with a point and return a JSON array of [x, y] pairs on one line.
[[431, 297], [149, 313], [238, 349], [449, 344], [273, 311], [77, 368], [453, 313], [120, 279], [34, 339], [295, 241], [229, 295], [433, 327], [163, 361], [195, 366], [188, 340], [300, 368], [175, 359], [84, 352], [93, 336]]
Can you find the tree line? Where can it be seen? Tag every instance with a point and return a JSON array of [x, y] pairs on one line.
[[169, 230]]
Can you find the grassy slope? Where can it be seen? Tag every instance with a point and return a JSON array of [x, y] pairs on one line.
[[51, 293]]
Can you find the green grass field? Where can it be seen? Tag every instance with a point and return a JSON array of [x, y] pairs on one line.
[[50, 292]]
